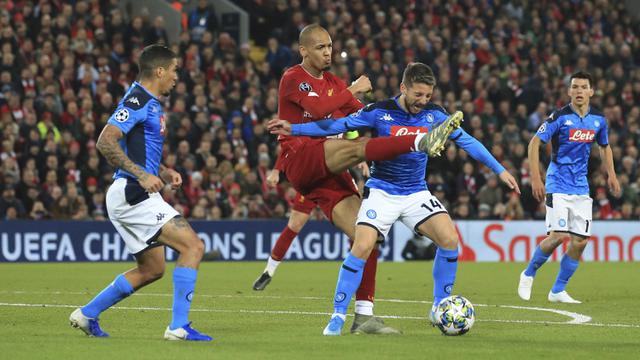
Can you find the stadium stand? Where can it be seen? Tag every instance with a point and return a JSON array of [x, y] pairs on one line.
[[65, 66]]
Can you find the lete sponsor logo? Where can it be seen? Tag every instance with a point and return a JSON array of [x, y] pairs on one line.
[[397, 130], [579, 135]]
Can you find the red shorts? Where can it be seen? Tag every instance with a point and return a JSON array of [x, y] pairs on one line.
[[307, 171], [303, 204]]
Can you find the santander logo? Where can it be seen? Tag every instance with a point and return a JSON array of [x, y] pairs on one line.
[[397, 130], [579, 135]]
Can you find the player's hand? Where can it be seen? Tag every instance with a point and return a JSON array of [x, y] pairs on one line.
[[364, 167], [151, 183], [614, 185], [273, 178], [361, 85], [510, 181], [279, 127], [538, 188], [172, 177]]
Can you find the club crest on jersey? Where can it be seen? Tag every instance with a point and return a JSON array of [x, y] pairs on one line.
[[430, 118], [121, 115], [304, 87], [330, 92], [579, 135], [398, 130]]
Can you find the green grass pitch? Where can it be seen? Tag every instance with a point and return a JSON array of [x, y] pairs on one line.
[[286, 320]]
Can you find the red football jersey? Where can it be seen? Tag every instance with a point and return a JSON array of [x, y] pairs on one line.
[[303, 98]]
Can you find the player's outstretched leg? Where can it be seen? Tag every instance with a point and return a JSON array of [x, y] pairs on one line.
[[178, 234], [433, 142]]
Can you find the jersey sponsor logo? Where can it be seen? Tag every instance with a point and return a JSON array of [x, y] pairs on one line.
[[133, 100], [542, 128], [304, 87], [397, 130], [121, 115], [579, 135], [387, 117]]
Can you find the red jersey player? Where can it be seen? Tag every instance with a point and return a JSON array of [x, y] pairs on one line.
[[317, 167]]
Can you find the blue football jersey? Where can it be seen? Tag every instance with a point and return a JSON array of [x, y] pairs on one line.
[[571, 139], [140, 117], [404, 174]]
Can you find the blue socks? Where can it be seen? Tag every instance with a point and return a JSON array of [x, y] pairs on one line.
[[445, 266], [111, 295], [184, 282], [538, 259], [567, 267], [349, 280]]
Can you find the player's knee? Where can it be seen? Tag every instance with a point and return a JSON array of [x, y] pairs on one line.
[[579, 242], [296, 223], [449, 242], [153, 273], [363, 248]]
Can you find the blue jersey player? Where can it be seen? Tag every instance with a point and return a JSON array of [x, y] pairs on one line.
[[132, 142], [397, 189], [571, 130]]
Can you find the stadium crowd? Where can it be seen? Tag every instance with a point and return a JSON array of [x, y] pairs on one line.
[[65, 65]]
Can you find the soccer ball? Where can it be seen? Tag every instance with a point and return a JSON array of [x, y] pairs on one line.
[[455, 315]]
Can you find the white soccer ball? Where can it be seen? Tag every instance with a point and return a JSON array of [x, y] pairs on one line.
[[455, 315]]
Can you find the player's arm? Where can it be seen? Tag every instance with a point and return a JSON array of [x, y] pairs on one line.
[[170, 176], [480, 153], [544, 134], [109, 147], [607, 158], [321, 107], [324, 127], [534, 166]]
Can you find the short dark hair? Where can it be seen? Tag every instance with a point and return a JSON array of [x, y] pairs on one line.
[[418, 73], [305, 34], [153, 57], [582, 75]]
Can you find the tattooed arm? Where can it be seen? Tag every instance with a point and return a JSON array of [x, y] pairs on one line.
[[170, 176], [109, 148]]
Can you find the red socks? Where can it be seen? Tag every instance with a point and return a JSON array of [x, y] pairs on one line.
[[367, 289], [282, 244], [388, 147]]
